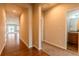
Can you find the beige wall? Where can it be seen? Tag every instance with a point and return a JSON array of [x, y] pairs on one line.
[[24, 27], [2, 28], [36, 25], [55, 24]]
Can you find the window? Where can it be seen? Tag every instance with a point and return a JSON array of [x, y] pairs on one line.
[[11, 28]]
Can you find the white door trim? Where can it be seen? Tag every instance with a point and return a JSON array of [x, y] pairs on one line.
[[30, 26], [40, 29]]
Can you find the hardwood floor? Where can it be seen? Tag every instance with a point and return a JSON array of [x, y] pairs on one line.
[[15, 47], [72, 47]]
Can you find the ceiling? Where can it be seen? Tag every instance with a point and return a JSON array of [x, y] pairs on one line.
[[15, 9], [46, 6]]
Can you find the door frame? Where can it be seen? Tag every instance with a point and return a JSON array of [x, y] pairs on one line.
[[30, 26]]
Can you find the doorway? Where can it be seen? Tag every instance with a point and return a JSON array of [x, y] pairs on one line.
[[11, 28], [12, 31], [72, 30]]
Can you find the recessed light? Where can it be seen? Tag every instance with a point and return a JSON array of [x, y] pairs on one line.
[[14, 11]]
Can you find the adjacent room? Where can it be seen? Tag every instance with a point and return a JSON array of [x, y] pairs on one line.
[[60, 28], [73, 29]]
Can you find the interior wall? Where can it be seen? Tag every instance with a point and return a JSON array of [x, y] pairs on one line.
[[2, 28], [56, 24], [36, 26], [12, 20], [24, 31]]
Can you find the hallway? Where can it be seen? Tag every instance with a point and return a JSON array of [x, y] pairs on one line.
[[15, 47], [29, 25]]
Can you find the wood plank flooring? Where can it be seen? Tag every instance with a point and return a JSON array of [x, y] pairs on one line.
[[15, 47]]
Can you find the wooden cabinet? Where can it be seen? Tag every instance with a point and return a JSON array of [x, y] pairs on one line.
[[73, 38]]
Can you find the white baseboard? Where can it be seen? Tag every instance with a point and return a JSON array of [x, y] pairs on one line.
[[36, 47], [2, 48], [54, 44]]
